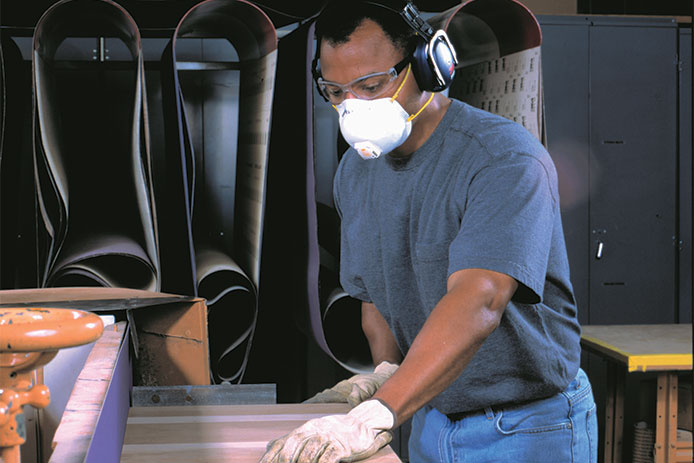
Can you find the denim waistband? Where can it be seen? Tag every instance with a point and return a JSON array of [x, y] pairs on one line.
[[459, 416], [575, 391]]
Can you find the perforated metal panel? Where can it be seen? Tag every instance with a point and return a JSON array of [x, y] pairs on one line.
[[507, 86]]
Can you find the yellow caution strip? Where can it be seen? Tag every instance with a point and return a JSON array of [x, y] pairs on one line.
[[643, 362], [657, 362]]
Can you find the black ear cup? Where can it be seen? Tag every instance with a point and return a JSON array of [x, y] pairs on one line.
[[433, 63]]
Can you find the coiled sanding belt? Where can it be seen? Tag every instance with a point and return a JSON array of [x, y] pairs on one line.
[[216, 165], [91, 153]]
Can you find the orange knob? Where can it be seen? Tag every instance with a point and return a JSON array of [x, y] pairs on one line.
[[40, 329], [30, 338], [38, 396]]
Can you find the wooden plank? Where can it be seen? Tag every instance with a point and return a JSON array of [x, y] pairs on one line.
[[642, 347], [206, 434], [80, 418], [614, 414], [619, 414], [685, 452], [665, 450], [608, 436]]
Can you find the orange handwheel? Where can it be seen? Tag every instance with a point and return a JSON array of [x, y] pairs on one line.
[[29, 339]]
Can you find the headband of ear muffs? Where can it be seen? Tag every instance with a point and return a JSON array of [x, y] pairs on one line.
[[434, 58]]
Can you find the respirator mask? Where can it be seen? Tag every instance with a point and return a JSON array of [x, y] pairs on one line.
[[374, 127]]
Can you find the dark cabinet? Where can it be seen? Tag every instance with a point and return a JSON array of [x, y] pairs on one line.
[[614, 111]]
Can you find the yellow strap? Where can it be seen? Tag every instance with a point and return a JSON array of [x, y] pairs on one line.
[[401, 83], [422, 108], [397, 92]]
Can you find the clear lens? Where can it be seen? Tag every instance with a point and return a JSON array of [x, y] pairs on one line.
[[372, 86], [365, 88]]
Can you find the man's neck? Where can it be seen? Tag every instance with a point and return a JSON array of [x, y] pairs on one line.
[[423, 126]]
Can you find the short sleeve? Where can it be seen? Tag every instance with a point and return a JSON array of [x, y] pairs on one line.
[[350, 279], [507, 222]]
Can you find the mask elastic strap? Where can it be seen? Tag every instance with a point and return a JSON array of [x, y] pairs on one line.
[[422, 108], [409, 66]]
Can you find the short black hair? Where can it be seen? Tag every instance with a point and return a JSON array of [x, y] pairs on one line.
[[338, 20]]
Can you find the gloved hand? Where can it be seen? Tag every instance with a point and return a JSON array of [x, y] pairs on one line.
[[356, 389], [330, 439]]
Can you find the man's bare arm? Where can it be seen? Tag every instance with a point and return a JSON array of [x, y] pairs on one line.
[[468, 313], [381, 340]]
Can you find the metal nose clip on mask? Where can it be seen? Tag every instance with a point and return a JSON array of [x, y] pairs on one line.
[[373, 127]]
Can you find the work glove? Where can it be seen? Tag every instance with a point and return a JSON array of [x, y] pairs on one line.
[[356, 389], [330, 439]]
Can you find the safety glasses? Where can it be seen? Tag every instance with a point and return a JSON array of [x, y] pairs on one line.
[[366, 87]]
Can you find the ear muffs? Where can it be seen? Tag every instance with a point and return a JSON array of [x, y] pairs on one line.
[[434, 58], [433, 62]]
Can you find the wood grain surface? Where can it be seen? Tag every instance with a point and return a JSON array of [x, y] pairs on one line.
[[79, 421], [206, 434]]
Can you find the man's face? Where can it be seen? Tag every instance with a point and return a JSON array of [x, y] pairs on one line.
[[368, 51]]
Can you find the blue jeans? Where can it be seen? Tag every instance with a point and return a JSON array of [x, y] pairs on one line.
[[559, 429]]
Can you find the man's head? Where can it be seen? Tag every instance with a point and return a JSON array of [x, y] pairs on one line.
[[365, 69], [430, 53], [338, 21], [359, 39]]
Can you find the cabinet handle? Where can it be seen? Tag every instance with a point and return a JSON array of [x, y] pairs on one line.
[[598, 254]]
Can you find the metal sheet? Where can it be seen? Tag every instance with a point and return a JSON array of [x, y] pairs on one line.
[[217, 394]]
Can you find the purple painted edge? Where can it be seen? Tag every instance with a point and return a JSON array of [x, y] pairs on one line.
[[109, 432]]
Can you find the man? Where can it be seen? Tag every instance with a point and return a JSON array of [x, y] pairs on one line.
[[452, 238]]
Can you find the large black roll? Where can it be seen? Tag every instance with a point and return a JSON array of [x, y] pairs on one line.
[[17, 244], [217, 84], [302, 271], [499, 70], [91, 151]]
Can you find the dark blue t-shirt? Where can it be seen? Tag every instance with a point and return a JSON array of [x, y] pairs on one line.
[[480, 193]]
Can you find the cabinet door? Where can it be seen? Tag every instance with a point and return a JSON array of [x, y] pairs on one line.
[[685, 207], [633, 197], [565, 81]]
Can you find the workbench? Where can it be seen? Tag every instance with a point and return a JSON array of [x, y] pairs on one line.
[[665, 349], [99, 425], [207, 434]]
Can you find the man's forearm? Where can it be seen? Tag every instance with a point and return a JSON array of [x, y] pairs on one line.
[[454, 331], [381, 340]]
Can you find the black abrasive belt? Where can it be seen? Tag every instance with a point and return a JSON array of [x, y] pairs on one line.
[[498, 43], [216, 164], [91, 153], [302, 165], [16, 191]]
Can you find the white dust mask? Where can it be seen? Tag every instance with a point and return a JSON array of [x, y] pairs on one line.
[[373, 127]]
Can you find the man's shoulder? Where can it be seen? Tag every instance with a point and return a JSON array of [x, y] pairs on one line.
[[496, 133]]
